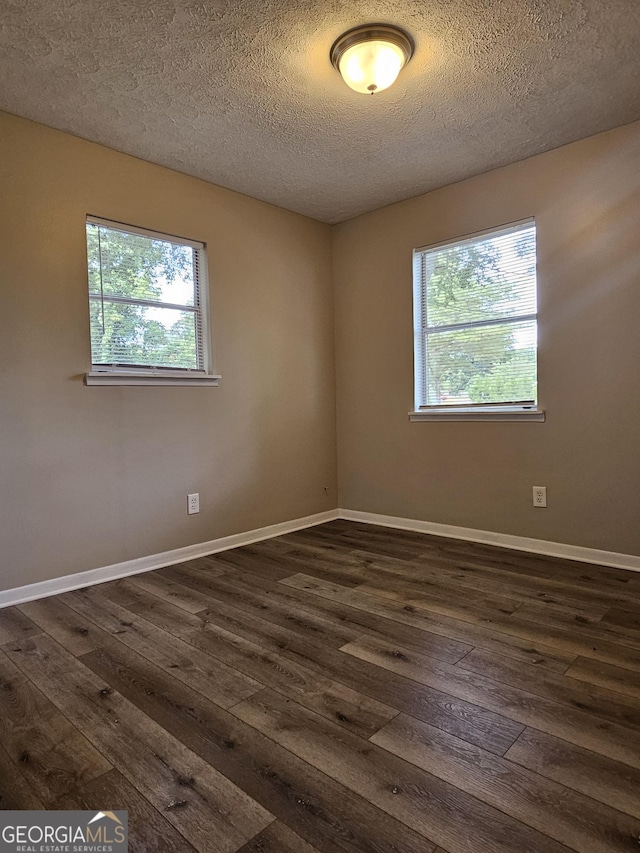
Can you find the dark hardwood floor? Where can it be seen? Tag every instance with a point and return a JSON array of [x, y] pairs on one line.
[[344, 689]]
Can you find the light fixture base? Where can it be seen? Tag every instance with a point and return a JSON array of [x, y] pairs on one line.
[[371, 32]]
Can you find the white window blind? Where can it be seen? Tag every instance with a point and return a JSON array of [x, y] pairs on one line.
[[475, 320], [147, 299]]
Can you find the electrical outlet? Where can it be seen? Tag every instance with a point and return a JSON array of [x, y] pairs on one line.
[[193, 504], [540, 496]]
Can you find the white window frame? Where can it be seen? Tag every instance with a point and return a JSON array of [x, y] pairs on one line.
[[124, 374], [472, 411]]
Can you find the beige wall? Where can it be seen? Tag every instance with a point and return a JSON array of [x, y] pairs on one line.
[[586, 201], [95, 476]]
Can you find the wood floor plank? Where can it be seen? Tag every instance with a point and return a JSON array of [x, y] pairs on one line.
[[488, 556], [251, 558], [148, 830], [573, 819], [530, 623], [537, 565], [512, 580], [351, 709], [271, 602], [382, 541], [439, 598], [321, 561], [578, 578], [267, 606], [438, 575], [214, 679], [315, 807], [208, 562], [596, 700], [318, 556], [612, 677], [580, 582], [127, 595], [519, 562], [595, 576], [15, 792], [548, 594], [623, 618], [163, 587], [465, 632], [263, 594], [14, 625], [117, 591], [598, 777], [491, 556], [277, 838], [576, 726], [51, 754], [439, 811], [593, 630], [479, 725], [589, 602], [567, 639], [397, 693], [378, 540], [77, 634], [200, 802]]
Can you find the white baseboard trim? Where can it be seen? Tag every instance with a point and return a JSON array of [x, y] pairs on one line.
[[502, 540], [67, 583]]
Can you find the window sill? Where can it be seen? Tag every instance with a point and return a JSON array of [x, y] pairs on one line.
[[100, 377], [488, 414]]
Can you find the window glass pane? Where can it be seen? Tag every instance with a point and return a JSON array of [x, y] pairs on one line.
[[487, 278], [141, 335], [139, 267], [491, 364]]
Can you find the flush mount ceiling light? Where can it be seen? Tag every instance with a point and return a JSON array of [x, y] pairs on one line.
[[371, 57]]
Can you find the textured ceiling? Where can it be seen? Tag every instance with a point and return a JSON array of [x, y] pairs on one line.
[[243, 94]]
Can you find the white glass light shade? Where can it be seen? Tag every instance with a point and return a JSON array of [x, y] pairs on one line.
[[371, 66], [370, 57]]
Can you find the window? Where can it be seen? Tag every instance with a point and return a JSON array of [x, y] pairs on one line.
[[475, 326], [147, 307]]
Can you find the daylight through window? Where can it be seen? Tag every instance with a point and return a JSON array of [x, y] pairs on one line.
[[475, 320], [147, 295]]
